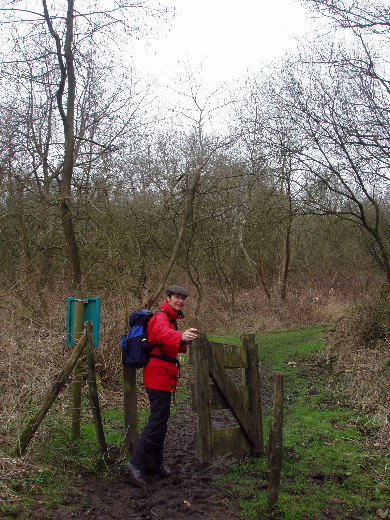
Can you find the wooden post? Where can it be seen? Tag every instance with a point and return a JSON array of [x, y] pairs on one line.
[[252, 379], [204, 439], [130, 407], [93, 393], [77, 376], [276, 440], [33, 424]]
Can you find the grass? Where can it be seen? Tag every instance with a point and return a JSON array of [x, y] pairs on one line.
[[329, 472]]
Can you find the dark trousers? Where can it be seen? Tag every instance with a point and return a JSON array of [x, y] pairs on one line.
[[149, 450]]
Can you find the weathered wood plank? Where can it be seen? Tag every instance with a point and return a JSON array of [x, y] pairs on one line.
[[78, 370], [276, 440], [219, 402], [230, 356], [200, 354], [93, 392], [232, 396], [130, 407], [230, 440], [252, 378]]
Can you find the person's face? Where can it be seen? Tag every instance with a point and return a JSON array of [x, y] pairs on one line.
[[176, 301]]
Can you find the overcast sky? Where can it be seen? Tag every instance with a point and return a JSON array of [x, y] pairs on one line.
[[227, 36]]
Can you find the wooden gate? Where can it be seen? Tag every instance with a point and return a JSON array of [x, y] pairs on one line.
[[220, 384]]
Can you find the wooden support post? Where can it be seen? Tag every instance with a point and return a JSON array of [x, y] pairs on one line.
[[252, 379], [60, 381], [77, 376], [204, 440], [276, 440], [130, 407], [93, 392]]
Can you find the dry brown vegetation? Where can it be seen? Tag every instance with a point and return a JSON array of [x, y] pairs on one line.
[[359, 348]]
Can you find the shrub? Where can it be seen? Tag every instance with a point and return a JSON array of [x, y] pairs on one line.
[[359, 348]]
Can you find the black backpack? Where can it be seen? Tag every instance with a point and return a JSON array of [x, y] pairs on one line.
[[134, 344]]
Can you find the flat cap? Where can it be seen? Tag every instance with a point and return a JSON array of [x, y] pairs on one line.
[[176, 289]]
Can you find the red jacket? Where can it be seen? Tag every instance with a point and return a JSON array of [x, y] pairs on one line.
[[160, 374]]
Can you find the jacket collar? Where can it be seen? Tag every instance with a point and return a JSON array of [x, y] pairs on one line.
[[172, 314]]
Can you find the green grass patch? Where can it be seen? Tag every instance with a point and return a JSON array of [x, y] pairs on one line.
[[328, 471]]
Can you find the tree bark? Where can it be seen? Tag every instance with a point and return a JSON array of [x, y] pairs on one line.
[[130, 407]]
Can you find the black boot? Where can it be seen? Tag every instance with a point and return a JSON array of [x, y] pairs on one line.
[[135, 475], [163, 471]]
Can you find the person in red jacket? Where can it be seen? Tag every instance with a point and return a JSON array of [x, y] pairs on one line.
[[160, 379]]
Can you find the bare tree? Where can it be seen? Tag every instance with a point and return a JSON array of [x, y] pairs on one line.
[[198, 151], [267, 136], [54, 46], [368, 24], [350, 14], [342, 119]]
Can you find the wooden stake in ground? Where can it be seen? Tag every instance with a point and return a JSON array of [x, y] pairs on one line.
[[78, 372], [130, 407], [93, 392], [59, 382], [276, 440], [200, 362]]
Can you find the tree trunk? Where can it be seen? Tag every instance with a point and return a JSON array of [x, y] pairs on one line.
[[65, 59], [71, 242], [286, 253], [179, 238]]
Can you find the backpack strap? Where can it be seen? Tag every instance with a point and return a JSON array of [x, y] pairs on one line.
[[163, 356], [170, 321]]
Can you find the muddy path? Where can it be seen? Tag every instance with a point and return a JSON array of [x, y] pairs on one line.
[[190, 493]]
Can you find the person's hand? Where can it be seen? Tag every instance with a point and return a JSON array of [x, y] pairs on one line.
[[189, 335]]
